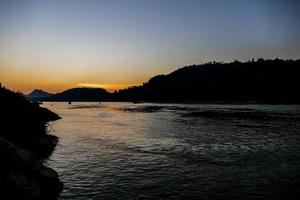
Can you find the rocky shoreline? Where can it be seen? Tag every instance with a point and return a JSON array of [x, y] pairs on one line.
[[24, 145]]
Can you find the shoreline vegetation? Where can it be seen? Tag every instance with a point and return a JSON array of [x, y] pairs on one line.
[[256, 81], [24, 145]]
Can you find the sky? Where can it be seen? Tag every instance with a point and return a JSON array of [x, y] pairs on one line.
[[59, 44]]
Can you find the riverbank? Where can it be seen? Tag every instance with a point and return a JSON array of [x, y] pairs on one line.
[[24, 145]]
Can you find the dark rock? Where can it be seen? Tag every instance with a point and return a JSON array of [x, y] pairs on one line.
[[25, 124], [5, 146], [24, 145], [25, 175]]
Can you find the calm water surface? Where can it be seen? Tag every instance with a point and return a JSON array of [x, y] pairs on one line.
[[176, 151]]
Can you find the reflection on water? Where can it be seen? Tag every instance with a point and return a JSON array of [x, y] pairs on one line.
[[170, 151]]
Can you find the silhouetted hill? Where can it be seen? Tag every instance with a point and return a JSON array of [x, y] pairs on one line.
[[80, 94], [38, 95], [253, 81], [260, 81]]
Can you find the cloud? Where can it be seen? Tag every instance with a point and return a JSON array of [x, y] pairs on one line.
[[109, 87]]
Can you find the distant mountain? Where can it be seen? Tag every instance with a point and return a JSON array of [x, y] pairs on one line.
[[253, 81], [38, 95], [80, 94]]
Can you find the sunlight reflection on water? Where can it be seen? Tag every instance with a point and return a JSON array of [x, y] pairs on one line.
[[152, 151]]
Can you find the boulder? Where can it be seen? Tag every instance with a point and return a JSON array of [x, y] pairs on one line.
[[24, 176], [24, 145]]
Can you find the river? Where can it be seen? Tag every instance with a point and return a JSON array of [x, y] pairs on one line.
[[176, 151]]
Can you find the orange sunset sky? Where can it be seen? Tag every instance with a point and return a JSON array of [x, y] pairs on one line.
[[60, 44]]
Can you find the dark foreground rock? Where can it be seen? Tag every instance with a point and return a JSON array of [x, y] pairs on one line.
[[23, 176], [24, 145], [26, 124]]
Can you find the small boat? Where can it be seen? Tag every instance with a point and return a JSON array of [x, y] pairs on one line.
[[70, 102]]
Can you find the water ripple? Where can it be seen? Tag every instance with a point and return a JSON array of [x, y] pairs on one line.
[[162, 151]]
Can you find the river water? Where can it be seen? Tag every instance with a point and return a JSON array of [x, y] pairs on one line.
[[176, 151]]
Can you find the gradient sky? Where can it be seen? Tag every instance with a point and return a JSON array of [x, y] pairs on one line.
[[58, 44]]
